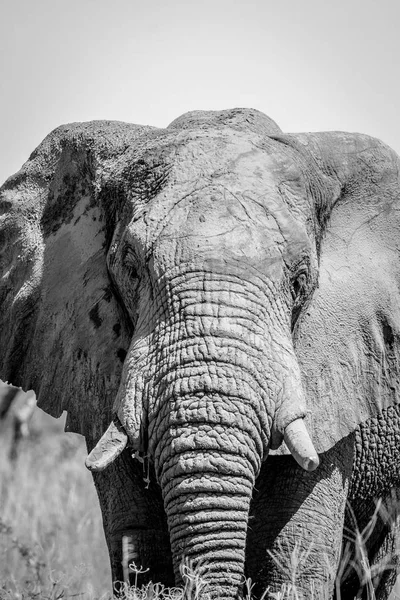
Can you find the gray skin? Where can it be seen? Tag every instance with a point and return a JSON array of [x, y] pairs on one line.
[[205, 287]]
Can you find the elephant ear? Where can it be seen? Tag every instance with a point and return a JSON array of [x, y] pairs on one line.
[[348, 338], [63, 331]]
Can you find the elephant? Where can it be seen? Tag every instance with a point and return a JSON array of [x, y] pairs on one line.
[[216, 306]]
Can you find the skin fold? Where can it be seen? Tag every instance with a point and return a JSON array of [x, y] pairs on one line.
[[227, 297]]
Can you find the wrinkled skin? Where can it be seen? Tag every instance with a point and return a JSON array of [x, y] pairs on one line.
[[208, 287]]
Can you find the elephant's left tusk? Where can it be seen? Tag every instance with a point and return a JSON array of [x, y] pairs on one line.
[[110, 445], [300, 445]]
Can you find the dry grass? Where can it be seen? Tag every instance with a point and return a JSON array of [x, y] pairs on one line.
[[51, 538]]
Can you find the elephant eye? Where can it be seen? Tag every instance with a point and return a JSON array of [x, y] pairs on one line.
[[299, 289], [299, 285], [132, 272], [130, 263]]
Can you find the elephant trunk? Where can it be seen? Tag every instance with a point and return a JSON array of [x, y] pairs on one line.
[[207, 475], [207, 438]]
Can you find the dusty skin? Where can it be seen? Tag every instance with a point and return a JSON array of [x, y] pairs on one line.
[[216, 306]]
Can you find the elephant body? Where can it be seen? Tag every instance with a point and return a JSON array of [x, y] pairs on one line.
[[227, 296]]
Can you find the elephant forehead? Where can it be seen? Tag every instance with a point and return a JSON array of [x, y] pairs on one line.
[[230, 197], [226, 167], [209, 226], [227, 153], [241, 209], [172, 166]]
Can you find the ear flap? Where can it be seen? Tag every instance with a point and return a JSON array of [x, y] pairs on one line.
[[63, 331], [348, 339]]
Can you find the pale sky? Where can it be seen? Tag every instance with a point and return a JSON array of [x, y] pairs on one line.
[[311, 65]]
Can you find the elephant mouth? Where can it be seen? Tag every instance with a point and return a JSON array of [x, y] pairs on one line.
[[115, 440]]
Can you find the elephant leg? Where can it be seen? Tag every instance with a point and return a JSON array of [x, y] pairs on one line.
[[295, 532], [373, 521], [134, 523]]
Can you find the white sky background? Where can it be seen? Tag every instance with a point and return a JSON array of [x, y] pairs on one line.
[[311, 65]]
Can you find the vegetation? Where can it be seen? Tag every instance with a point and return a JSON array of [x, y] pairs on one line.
[[52, 545], [51, 539]]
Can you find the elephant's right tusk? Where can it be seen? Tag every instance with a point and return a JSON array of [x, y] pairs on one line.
[[110, 445], [300, 445]]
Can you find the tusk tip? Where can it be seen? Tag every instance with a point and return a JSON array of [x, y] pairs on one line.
[[98, 461], [300, 445], [311, 463], [94, 465]]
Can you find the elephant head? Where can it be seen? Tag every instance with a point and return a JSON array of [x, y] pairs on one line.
[[217, 290]]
